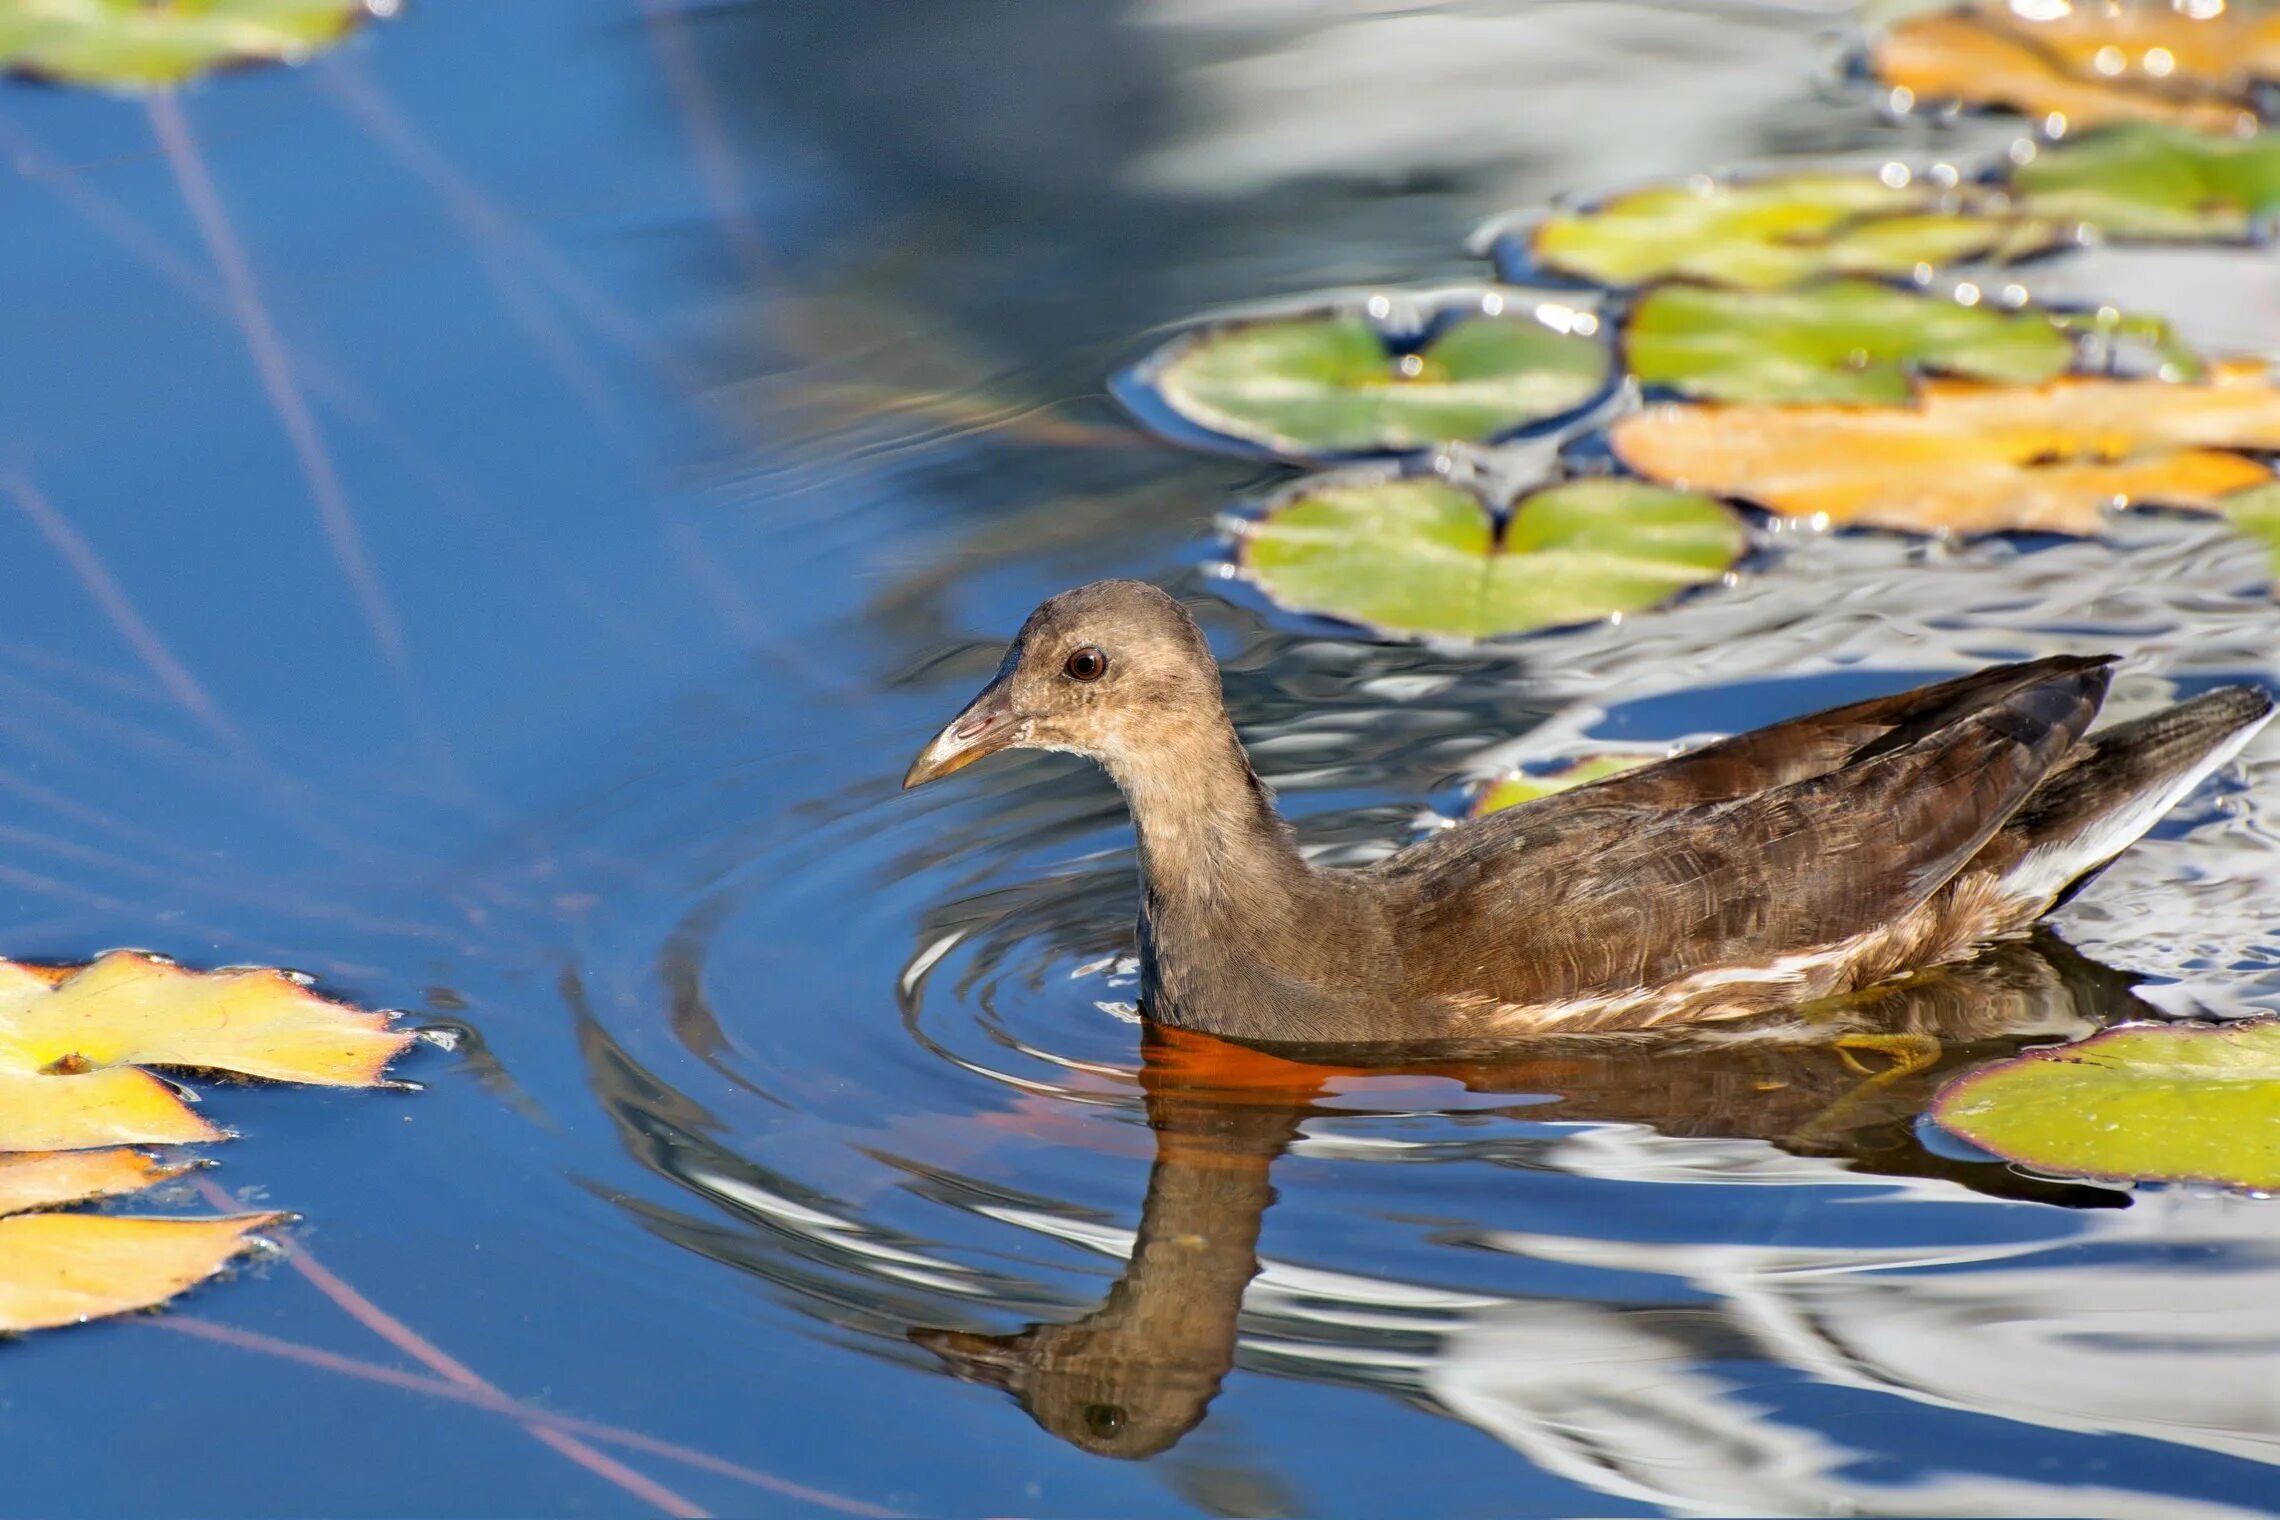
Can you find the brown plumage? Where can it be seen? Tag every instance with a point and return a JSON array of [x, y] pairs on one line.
[[1800, 861]]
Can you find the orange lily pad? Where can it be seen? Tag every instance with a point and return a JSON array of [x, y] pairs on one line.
[[73, 1040], [66, 1268], [2086, 65], [1968, 458]]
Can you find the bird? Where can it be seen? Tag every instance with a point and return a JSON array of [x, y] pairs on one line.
[[1797, 862]]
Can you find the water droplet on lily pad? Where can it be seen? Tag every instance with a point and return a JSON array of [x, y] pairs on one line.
[[2149, 1103], [1422, 557], [1342, 381]]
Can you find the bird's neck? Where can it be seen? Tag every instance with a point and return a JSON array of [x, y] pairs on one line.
[[1226, 895], [1210, 839]]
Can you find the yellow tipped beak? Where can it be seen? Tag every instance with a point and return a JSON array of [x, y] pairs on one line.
[[985, 727]]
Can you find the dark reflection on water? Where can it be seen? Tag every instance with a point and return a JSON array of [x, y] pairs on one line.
[[1133, 1376]]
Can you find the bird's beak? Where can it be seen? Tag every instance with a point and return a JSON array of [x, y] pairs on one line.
[[985, 727], [992, 1359]]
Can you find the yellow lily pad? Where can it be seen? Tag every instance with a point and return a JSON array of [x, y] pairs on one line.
[[66, 1268], [1512, 791], [45, 1180], [71, 1043], [156, 44], [1772, 232], [2143, 1103], [2087, 65], [1968, 458]]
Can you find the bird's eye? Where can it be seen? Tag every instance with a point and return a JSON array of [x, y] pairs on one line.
[[1087, 664], [1103, 1420]]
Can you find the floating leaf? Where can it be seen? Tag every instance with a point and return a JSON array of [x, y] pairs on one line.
[[1847, 340], [1971, 458], [61, 1269], [1772, 233], [1334, 383], [1419, 556], [43, 1180], [2086, 65], [2155, 182], [2256, 512], [70, 1041], [1511, 791], [2169, 1103], [152, 44]]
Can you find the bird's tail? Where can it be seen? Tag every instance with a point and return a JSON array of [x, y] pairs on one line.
[[2117, 784]]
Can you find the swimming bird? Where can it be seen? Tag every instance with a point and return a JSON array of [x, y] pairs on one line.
[[1796, 862]]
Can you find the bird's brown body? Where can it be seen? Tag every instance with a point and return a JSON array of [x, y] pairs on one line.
[[1796, 862]]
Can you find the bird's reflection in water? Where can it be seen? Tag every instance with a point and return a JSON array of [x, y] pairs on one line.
[[1845, 1079]]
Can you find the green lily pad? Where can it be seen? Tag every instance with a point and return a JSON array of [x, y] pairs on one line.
[[1330, 383], [1422, 557], [2155, 183], [154, 44], [2144, 1103], [2256, 512], [1511, 791], [1846, 340], [1776, 232]]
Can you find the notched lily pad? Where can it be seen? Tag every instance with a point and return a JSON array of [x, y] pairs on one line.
[[66, 1268], [1420, 556], [1968, 458], [155, 44], [1772, 232], [2141, 1103], [2155, 183], [1512, 791], [1357, 379], [2085, 65], [1846, 340], [73, 1041]]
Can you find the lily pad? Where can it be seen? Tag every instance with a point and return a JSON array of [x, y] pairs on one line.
[[155, 44], [1422, 557], [1968, 458], [1772, 233], [2152, 182], [1338, 383], [2257, 513], [2168, 1103], [1511, 791], [73, 1040], [66, 1268], [1847, 340], [2086, 65]]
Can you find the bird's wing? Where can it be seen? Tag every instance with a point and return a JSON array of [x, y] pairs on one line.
[[1799, 748], [1597, 892]]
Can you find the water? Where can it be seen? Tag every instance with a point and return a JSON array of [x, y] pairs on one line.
[[501, 505]]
